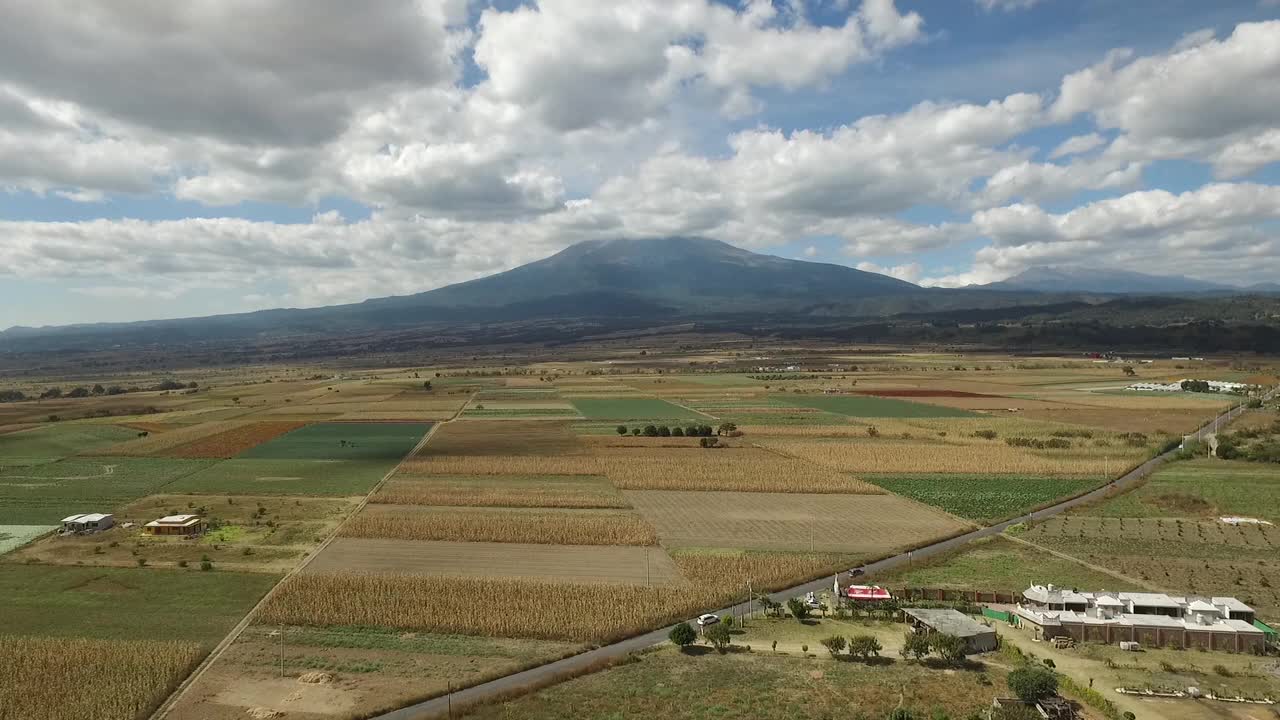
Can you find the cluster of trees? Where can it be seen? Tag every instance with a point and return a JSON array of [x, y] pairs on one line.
[[1252, 444], [719, 635], [862, 647], [950, 648], [704, 431], [1200, 386], [81, 391]]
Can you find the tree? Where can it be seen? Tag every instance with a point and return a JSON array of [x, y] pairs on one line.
[[79, 392], [12, 396], [52, 393], [691, 431], [1032, 684], [872, 431], [865, 646], [834, 644], [719, 636], [1254, 404], [622, 429], [635, 431], [677, 431], [798, 609], [709, 442], [949, 647], [770, 607], [726, 428], [117, 390], [651, 431], [682, 635], [915, 645], [426, 385], [664, 431], [98, 390], [1129, 371], [193, 385]]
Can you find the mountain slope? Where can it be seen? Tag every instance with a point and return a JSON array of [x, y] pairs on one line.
[[1094, 280]]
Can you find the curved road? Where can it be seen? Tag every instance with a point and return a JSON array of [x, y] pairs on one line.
[[552, 672]]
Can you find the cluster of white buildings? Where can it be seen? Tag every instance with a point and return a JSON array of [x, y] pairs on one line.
[[1151, 619], [1220, 386]]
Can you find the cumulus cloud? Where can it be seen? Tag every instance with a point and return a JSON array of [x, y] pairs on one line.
[[911, 272], [1006, 5], [1222, 103], [1078, 145]]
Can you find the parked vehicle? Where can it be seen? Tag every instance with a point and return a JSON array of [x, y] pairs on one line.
[[708, 619], [855, 572]]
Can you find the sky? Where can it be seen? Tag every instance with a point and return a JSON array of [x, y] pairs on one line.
[[214, 156]]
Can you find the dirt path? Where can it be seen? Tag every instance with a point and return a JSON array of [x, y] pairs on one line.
[[240, 627]]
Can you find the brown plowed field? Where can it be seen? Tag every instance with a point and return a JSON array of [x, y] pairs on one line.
[[569, 563], [230, 443], [923, 392], [867, 525]]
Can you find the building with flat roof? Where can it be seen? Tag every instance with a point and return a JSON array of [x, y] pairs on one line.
[[1152, 619], [175, 525], [978, 637], [87, 522]]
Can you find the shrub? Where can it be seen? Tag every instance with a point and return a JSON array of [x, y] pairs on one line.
[[682, 635], [1032, 684], [865, 646], [835, 644], [798, 609], [719, 637], [206, 565], [985, 434]]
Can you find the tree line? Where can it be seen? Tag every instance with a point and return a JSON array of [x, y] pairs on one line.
[[80, 391]]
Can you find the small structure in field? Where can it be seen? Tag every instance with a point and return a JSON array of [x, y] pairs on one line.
[[87, 523], [977, 637], [175, 525]]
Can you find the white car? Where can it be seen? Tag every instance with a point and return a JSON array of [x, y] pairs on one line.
[[708, 619]]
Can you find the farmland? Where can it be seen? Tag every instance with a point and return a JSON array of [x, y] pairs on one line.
[[44, 494], [983, 498], [866, 525], [528, 485]]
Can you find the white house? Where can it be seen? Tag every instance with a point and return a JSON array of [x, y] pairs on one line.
[[87, 522]]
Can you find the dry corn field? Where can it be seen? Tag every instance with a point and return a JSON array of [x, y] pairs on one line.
[[582, 491], [230, 443], [160, 444], [502, 465], [582, 612], [566, 527], [76, 678], [740, 469], [499, 439], [995, 457]]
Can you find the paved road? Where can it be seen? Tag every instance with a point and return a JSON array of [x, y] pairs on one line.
[[551, 672]]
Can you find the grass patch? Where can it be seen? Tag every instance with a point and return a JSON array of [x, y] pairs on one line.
[[634, 409], [126, 604], [45, 444], [284, 477], [1000, 565], [871, 406], [984, 498], [1201, 489], [44, 494], [342, 441]]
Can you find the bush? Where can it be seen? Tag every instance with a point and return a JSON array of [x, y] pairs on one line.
[[622, 429], [798, 609], [719, 637], [682, 635], [835, 644], [206, 565], [865, 646], [985, 434], [1223, 670], [1032, 684]]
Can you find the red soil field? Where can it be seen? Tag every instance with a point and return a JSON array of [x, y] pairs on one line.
[[924, 393]]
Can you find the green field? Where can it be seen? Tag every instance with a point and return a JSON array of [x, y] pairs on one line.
[[49, 443], [703, 685], [999, 565], [14, 536], [241, 476], [634, 409], [869, 406], [44, 494], [342, 441], [126, 603], [1202, 490], [984, 498], [519, 412]]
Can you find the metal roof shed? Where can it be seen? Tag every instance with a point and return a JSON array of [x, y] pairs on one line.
[[978, 637]]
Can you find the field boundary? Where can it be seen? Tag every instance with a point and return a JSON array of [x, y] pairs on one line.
[[544, 675], [1078, 561], [220, 649]]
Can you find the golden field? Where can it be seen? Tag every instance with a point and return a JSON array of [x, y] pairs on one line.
[[550, 527], [581, 491]]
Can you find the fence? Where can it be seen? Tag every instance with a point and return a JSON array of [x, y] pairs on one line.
[[950, 594]]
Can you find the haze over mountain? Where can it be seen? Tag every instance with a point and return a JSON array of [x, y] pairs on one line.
[[1095, 280]]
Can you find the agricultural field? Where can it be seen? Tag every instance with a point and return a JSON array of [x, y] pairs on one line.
[[986, 499], [1202, 490], [71, 678], [44, 494], [865, 525], [719, 469], [551, 563], [635, 409], [567, 491], [126, 604], [351, 669], [232, 442], [869, 406], [240, 476], [755, 684], [387, 441], [501, 525], [493, 438], [159, 444], [47, 443]]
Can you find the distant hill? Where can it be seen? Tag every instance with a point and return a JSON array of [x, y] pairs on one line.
[[1095, 280]]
